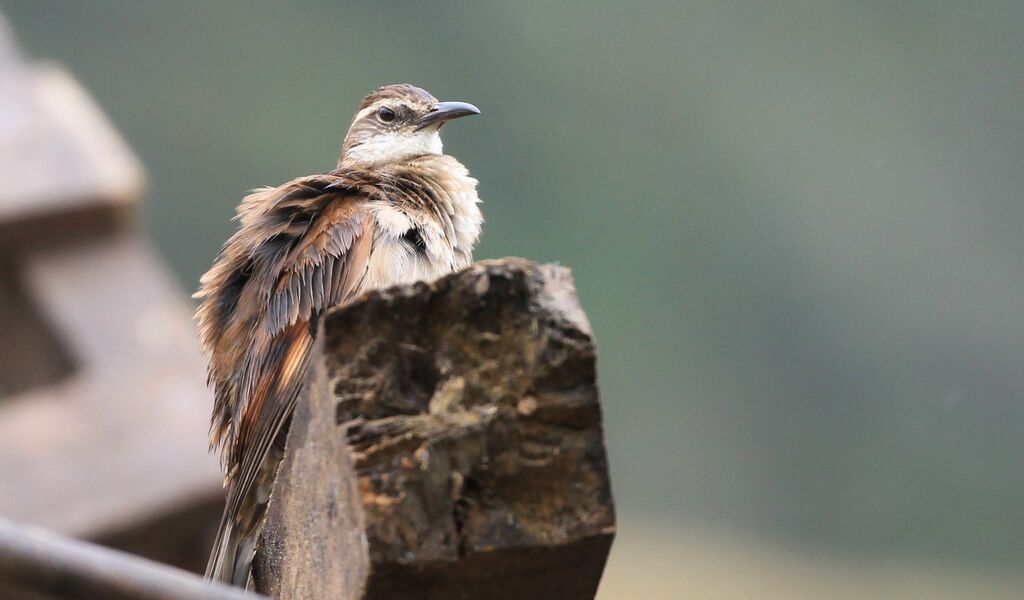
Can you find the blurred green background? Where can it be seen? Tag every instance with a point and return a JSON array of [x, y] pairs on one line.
[[796, 228]]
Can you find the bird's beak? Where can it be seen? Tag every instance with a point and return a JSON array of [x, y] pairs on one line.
[[446, 111]]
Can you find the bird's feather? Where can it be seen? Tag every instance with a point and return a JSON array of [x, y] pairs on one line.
[[301, 249]]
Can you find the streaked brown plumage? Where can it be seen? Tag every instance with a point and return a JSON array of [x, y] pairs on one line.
[[394, 210]]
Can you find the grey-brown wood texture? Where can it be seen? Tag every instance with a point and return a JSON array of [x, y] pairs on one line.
[[475, 464]]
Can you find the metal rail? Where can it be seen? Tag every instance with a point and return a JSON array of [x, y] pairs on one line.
[[39, 564]]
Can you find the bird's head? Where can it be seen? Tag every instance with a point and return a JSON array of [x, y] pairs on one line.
[[398, 122]]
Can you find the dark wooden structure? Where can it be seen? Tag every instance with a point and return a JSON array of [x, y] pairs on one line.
[[103, 403], [448, 446]]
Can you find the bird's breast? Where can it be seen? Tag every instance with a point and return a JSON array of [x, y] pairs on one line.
[[411, 248], [427, 228]]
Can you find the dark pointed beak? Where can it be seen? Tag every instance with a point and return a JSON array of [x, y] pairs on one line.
[[446, 111]]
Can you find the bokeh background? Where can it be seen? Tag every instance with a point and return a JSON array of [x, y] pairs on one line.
[[796, 228]]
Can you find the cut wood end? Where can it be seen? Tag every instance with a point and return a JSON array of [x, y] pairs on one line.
[[470, 412]]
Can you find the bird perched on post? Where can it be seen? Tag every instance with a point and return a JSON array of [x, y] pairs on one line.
[[395, 210]]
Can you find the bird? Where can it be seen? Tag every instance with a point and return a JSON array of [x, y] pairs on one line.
[[396, 209]]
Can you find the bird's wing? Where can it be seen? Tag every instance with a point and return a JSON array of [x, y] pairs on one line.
[[302, 248], [323, 266]]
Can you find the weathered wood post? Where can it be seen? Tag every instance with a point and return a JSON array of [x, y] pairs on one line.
[[448, 446]]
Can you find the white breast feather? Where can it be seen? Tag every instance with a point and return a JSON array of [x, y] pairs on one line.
[[393, 261]]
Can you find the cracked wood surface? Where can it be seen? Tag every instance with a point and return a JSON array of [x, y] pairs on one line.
[[449, 446]]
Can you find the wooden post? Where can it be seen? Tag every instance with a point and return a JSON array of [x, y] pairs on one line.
[[448, 446]]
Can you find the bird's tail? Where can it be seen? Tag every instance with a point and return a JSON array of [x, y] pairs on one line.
[[241, 525], [235, 544]]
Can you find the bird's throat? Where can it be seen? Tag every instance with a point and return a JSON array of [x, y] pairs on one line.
[[391, 148]]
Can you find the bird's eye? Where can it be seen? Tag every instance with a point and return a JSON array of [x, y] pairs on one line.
[[386, 114]]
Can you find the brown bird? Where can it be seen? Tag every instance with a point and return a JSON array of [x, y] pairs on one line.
[[395, 210]]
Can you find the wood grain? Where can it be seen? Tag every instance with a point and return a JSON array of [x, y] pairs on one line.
[[459, 422]]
